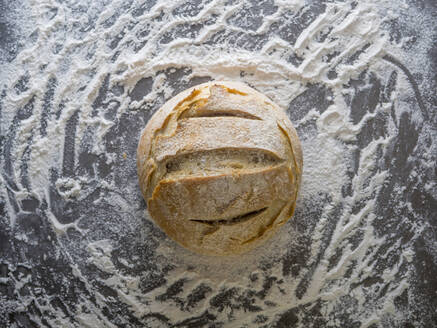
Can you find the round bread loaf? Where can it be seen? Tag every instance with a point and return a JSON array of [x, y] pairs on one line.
[[220, 166]]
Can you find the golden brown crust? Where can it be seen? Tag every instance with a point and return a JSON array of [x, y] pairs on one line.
[[220, 166]]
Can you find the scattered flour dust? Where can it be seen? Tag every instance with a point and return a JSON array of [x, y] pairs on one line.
[[87, 83], [68, 187]]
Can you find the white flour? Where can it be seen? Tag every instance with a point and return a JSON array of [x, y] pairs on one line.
[[328, 263]]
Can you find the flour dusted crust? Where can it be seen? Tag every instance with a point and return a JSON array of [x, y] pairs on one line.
[[220, 166]]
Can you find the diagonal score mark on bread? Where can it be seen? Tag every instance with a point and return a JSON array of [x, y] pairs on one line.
[[217, 162], [218, 105], [234, 220], [219, 166]]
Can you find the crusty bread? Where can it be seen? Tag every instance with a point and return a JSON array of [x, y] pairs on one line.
[[220, 166]]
